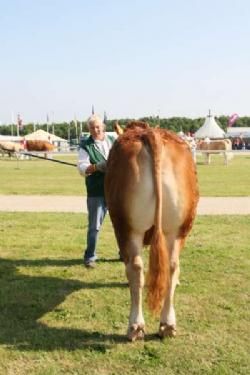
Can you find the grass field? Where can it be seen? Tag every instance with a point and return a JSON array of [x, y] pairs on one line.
[[40, 177], [59, 318], [44, 177]]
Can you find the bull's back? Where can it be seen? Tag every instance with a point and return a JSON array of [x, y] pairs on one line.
[[33, 145]]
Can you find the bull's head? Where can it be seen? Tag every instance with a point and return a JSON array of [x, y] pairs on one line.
[[131, 125]]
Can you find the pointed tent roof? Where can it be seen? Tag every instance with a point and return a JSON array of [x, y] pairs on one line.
[[210, 129], [44, 136]]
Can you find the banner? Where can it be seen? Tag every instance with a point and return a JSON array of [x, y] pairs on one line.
[[232, 119]]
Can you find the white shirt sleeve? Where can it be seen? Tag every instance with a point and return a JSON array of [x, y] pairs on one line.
[[83, 161]]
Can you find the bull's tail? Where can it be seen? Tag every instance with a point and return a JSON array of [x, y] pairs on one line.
[[158, 278]]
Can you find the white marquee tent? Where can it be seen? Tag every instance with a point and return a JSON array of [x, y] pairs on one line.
[[210, 129]]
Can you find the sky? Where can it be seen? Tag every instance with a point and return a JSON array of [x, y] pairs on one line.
[[130, 58]]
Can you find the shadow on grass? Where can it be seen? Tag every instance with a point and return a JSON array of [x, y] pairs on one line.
[[26, 299], [112, 260], [45, 262]]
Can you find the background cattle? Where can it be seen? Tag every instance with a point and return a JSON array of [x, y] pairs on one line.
[[39, 145], [10, 148], [152, 194], [214, 147]]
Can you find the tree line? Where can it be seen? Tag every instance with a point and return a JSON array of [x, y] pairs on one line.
[[71, 130]]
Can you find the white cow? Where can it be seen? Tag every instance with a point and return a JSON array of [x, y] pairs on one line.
[[11, 148]]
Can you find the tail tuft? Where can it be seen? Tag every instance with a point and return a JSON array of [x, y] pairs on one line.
[[158, 278]]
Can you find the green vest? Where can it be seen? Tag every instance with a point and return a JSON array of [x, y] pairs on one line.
[[95, 181]]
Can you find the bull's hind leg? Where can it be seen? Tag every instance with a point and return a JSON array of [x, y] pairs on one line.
[[168, 318], [134, 272]]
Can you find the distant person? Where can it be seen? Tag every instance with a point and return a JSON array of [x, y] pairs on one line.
[[93, 155], [193, 147], [207, 140], [234, 145]]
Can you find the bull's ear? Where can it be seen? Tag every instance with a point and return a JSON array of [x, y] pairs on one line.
[[117, 128]]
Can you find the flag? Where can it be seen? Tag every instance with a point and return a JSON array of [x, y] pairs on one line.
[[105, 118], [93, 110], [19, 121], [232, 119]]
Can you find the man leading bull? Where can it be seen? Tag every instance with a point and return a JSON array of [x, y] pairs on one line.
[[93, 155]]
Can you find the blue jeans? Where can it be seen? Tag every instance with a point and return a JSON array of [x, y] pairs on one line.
[[97, 210]]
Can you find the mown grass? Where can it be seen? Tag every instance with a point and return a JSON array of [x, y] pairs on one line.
[[40, 177], [219, 180], [59, 318], [44, 177]]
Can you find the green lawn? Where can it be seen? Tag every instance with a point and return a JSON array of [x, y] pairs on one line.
[[40, 177], [59, 318], [219, 180], [44, 177]]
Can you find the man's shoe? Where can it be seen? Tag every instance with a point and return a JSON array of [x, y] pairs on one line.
[[90, 264]]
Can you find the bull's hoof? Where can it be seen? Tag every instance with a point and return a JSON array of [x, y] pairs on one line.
[[136, 332], [166, 330]]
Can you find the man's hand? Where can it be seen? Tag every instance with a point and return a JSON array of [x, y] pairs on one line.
[[90, 169]]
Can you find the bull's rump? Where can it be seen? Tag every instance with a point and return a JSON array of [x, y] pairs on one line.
[[130, 186], [124, 177]]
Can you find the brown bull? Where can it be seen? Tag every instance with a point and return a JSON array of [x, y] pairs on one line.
[[152, 194], [39, 145]]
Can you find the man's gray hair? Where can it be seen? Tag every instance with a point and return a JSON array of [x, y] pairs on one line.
[[95, 119]]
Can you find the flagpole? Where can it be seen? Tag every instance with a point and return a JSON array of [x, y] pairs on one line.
[[69, 133], [105, 118], [80, 129], [17, 125], [75, 121], [53, 125], [12, 123]]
